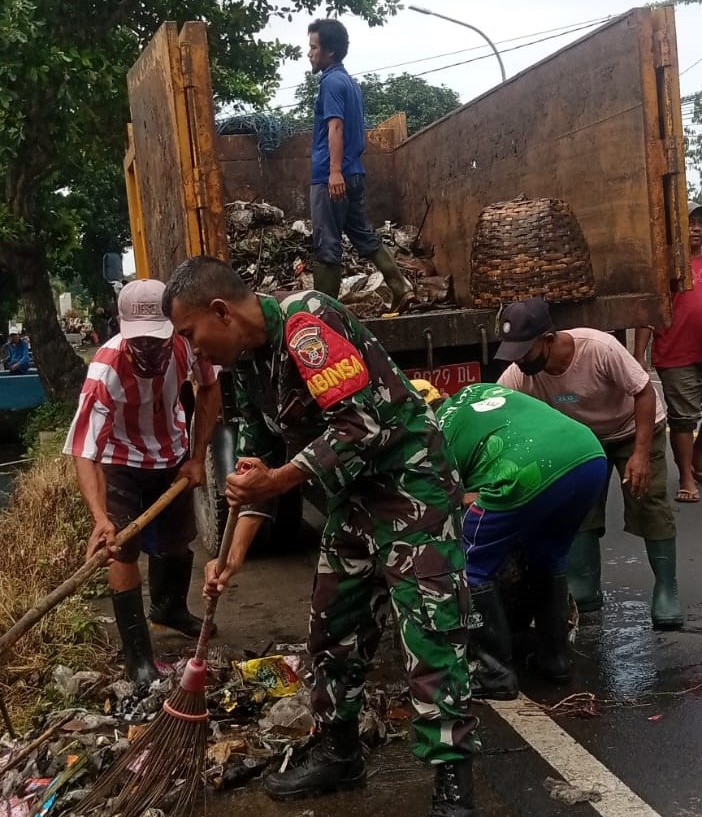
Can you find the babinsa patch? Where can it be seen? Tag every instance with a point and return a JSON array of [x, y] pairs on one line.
[[309, 346], [331, 366]]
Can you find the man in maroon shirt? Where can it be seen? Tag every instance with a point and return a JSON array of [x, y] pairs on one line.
[[677, 356]]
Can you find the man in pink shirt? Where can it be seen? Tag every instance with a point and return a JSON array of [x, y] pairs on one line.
[[591, 377], [677, 356]]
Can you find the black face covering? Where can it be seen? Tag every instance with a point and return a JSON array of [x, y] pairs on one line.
[[531, 367], [538, 364], [150, 356]]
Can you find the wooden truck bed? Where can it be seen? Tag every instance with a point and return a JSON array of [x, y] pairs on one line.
[[597, 124]]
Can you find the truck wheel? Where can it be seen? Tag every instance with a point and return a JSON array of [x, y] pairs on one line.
[[211, 509]]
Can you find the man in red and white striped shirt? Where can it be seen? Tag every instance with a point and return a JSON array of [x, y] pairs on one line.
[[129, 442]]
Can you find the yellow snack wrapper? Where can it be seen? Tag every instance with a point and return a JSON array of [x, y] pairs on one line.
[[272, 673]]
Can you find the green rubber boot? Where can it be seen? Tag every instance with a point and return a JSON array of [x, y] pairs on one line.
[[584, 569], [666, 612], [327, 278], [402, 292]]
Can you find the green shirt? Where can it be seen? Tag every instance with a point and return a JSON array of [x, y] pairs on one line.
[[509, 446]]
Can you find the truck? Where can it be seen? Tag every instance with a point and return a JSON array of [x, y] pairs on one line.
[[597, 124]]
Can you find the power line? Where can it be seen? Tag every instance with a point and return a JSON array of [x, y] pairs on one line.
[[504, 50], [690, 67], [562, 29], [474, 59]]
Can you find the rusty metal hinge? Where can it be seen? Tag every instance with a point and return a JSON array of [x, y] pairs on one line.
[[199, 183], [674, 156], [662, 50], [186, 65]]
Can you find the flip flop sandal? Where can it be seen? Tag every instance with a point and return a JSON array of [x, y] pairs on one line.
[[683, 495]]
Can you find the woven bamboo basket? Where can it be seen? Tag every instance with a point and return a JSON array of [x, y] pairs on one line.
[[525, 248]]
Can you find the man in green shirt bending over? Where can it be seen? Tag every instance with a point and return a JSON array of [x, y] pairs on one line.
[[531, 475]]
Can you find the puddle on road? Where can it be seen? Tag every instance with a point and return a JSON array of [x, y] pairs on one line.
[[626, 647], [631, 658]]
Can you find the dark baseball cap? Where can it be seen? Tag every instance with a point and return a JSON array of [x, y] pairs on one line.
[[692, 206], [521, 324]]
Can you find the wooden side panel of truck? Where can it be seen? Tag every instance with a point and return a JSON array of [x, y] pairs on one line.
[[598, 125], [174, 181]]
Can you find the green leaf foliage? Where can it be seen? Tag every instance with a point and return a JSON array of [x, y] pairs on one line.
[[63, 115], [423, 103]]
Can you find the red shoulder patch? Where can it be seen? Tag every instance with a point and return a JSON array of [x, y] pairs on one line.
[[330, 365]]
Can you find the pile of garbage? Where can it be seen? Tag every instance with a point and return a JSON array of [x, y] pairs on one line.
[[259, 716], [273, 253]]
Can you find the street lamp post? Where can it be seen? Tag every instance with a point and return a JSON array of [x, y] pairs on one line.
[[422, 10]]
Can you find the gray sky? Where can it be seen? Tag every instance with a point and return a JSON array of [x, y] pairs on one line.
[[411, 36]]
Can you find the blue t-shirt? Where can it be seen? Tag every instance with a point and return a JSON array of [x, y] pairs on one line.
[[18, 353], [339, 97]]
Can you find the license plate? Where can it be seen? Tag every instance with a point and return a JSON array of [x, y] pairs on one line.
[[448, 378]]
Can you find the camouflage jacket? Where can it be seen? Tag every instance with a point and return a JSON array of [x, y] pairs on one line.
[[324, 391]]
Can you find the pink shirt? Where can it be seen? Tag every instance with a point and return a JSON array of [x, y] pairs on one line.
[[123, 419], [597, 389], [681, 343]]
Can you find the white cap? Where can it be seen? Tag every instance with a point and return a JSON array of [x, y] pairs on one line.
[[140, 311]]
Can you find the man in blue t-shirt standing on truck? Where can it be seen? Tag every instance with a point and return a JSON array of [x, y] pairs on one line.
[[338, 179]]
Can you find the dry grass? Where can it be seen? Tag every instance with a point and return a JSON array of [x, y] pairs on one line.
[[42, 541]]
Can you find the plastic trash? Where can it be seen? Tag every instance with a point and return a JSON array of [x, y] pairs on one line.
[[290, 713]]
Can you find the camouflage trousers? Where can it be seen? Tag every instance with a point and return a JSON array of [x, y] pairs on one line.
[[424, 579]]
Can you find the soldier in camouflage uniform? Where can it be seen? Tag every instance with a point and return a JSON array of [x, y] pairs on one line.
[[315, 381]]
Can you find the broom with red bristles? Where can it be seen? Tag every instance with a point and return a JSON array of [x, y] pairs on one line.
[[170, 753]]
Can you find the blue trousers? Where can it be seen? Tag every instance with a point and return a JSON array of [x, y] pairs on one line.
[[331, 218], [543, 528]]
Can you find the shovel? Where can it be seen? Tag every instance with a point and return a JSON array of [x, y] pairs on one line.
[[98, 560]]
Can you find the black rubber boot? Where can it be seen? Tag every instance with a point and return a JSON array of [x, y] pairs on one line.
[[402, 293], [453, 790], [551, 613], [491, 645], [334, 763], [134, 632], [327, 278], [666, 612], [169, 582]]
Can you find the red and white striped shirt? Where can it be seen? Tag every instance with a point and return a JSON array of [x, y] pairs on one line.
[[123, 419]]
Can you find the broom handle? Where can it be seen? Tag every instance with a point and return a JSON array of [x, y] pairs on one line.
[[73, 582], [206, 629]]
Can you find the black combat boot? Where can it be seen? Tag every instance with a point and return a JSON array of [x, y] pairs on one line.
[[334, 763], [453, 790], [491, 645], [134, 632], [169, 582], [551, 612]]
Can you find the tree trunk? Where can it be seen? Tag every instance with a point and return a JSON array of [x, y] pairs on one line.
[[62, 371]]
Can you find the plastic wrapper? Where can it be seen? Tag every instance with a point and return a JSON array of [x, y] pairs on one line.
[[272, 673]]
